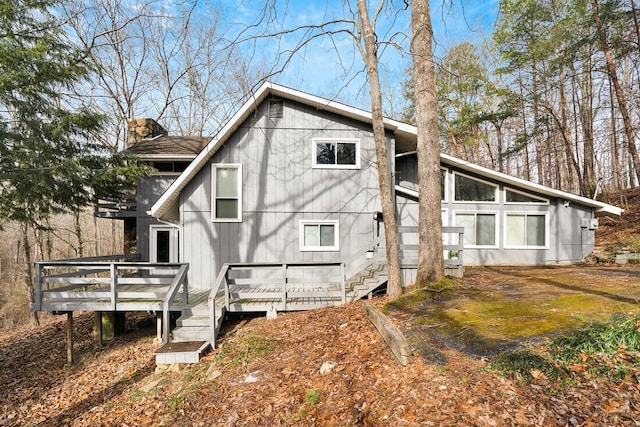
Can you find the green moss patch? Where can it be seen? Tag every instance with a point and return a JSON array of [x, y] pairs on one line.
[[494, 309]]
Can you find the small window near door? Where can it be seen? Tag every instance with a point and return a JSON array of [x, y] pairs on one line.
[[162, 246], [319, 236]]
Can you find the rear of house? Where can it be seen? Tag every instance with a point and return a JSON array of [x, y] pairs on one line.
[[281, 211]]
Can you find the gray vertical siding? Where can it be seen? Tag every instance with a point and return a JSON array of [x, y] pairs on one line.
[[149, 191], [280, 188]]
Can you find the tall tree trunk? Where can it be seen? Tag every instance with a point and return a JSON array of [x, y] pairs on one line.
[[430, 257], [28, 271], [615, 151], [622, 103], [78, 233], [394, 278]]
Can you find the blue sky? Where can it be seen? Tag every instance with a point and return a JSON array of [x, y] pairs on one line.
[[318, 68]]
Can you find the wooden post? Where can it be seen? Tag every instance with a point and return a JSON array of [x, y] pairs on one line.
[[70, 337], [97, 327], [159, 326]]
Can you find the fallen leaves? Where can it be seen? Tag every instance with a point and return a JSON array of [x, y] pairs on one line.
[[282, 358]]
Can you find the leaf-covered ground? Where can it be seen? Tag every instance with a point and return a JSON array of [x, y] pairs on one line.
[[267, 372]]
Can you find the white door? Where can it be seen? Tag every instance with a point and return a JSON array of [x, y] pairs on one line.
[[163, 243]]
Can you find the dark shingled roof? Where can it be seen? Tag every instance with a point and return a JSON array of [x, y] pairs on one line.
[[169, 145]]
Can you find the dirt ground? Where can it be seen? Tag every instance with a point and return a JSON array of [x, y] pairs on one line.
[[268, 372]]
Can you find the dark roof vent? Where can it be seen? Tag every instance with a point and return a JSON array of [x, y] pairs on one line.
[[276, 109]]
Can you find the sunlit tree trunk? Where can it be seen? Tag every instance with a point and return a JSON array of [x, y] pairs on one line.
[[394, 278], [430, 256]]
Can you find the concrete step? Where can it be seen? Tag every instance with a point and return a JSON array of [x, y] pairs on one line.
[[181, 352], [190, 333]]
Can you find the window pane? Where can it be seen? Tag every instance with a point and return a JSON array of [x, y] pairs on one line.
[[226, 208], [226, 182], [468, 222], [325, 154], [513, 197], [443, 176], [346, 153], [515, 230], [468, 189], [311, 235], [327, 235], [486, 229], [162, 246], [535, 230]]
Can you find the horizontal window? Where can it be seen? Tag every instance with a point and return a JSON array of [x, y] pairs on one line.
[[526, 230], [472, 190], [336, 153], [319, 236], [227, 193], [479, 228], [512, 196]]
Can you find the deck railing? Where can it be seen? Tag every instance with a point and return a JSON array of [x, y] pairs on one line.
[[279, 283], [453, 247], [97, 282]]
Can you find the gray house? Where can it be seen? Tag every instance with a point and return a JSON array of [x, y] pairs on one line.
[[281, 211], [292, 178]]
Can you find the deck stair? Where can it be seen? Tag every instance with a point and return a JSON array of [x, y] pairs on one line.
[[190, 339], [367, 280]]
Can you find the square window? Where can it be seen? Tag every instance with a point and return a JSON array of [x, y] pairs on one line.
[[479, 228], [525, 230], [227, 193], [319, 235], [338, 153]]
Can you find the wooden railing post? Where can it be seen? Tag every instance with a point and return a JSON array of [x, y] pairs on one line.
[[113, 271], [344, 283], [285, 279], [37, 292]]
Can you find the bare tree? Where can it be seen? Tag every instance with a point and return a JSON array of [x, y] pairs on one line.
[[620, 96], [167, 61], [430, 256], [370, 55]]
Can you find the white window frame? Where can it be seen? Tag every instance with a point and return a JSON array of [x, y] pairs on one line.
[[214, 168], [173, 242], [542, 200], [530, 213], [496, 244], [336, 235], [495, 186], [316, 141]]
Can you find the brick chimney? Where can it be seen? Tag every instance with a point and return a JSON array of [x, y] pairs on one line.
[[139, 129]]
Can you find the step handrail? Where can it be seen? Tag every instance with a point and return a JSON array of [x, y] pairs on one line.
[[213, 294], [180, 280]]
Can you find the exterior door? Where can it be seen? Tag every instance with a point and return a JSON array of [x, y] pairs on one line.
[[163, 244]]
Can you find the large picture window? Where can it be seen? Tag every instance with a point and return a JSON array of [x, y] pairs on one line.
[[472, 190], [227, 193], [479, 228], [319, 236], [526, 230], [336, 153]]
